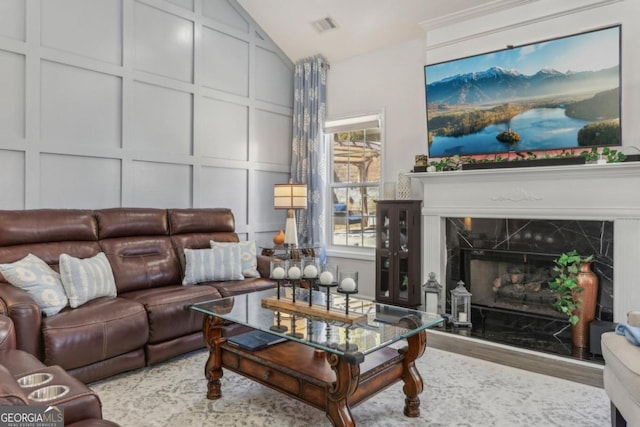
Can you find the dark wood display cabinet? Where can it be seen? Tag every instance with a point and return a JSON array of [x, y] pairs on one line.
[[398, 241]]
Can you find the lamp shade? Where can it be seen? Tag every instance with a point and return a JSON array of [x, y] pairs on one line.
[[290, 196]]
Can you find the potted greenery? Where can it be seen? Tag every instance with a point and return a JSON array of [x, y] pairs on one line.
[[576, 289]]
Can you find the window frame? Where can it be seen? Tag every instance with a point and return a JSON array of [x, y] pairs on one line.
[[352, 122]]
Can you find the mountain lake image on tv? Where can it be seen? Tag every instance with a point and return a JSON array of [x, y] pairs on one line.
[[557, 94]]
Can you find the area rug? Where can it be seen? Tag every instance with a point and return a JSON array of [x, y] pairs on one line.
[[458, 391]]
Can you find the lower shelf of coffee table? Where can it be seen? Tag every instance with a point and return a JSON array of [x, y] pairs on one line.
[[303, 372]]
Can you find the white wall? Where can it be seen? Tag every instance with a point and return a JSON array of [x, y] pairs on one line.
[[392, 79], [153, 103]]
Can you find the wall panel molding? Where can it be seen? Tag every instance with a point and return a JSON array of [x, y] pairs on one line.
[[514, 25], [473, 12], [127, 108]]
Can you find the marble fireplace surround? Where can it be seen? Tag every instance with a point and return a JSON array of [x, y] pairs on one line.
[[577, 192]]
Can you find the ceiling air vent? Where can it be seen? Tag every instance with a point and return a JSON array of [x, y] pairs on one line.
[[324, 24]]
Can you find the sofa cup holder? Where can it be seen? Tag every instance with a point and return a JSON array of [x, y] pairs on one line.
[[46, 394], [35, 379]]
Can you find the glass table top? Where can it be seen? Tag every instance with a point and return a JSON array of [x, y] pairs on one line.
[[283, 247], [370, 325], [284, 251]]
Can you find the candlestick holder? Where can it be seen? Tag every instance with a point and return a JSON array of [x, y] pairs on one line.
[[293, 332], [348, 286], [328, 279], [278, 327], [328, 334], [310, 272], [278, 272], [294, 274], [346, 296], [347, 347]]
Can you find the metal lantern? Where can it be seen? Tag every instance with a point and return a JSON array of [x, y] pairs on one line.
[[433, 295], [461, 305]]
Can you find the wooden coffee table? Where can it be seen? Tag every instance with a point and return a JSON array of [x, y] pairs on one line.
[[328, 365]]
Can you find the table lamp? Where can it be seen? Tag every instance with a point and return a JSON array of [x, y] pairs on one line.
[[290, 196]]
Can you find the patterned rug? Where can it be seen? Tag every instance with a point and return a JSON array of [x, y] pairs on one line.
[[459, 391]]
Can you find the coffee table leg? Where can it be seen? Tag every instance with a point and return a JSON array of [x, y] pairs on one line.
[[213, 369], [413, 385], [347, 370]]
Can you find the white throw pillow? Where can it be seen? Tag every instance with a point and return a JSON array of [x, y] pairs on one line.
[[219, 263], [87, 279], [247, 256], [40, 281]]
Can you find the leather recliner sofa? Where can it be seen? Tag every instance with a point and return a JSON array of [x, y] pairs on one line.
[[146, 322], [81, 406]]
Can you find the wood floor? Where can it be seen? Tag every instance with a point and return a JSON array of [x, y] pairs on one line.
[[561, 367]]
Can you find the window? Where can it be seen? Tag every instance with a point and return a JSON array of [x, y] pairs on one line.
[[354, 177]]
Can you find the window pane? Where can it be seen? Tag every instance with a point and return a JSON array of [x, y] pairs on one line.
[[354, 216], [356, 156], [355, 179]]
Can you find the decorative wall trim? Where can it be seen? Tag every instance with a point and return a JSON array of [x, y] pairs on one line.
[[472, 12], [149, 103], [515, 25], [517, 195]]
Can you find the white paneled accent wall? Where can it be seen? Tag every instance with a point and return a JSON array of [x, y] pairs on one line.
[[150, 103]]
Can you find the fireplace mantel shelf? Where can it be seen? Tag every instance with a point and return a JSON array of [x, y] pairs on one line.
[[562, 192], [588, 170]]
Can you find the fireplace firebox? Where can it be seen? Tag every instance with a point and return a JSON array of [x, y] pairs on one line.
[[514, 281], [507, 264]]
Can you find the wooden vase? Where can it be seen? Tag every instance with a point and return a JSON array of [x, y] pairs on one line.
[[588, 281]]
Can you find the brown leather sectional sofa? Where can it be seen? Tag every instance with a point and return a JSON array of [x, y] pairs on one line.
[[146, 322], [81, 406]]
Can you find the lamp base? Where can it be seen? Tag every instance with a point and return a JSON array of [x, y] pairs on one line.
[[291, 230]]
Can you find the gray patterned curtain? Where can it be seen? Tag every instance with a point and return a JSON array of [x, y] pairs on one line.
[[308, 147]]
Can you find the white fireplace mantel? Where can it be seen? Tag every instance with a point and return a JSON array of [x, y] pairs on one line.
[[581, 192]]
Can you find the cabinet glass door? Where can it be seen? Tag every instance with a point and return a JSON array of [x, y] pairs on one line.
[[383, 255], [402, 256], [398, 252], [385, 277]]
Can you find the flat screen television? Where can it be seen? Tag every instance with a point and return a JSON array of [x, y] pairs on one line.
[[558, 94]]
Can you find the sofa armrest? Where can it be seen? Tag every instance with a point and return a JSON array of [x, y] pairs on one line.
[[10, 391], [7, 334], [26, 316]]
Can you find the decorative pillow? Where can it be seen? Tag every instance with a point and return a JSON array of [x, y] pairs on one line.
[[87, 279], [219, 263], [34, 276], [247, 256]]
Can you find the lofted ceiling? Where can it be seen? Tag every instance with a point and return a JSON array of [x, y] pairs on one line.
[[361, 25]]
